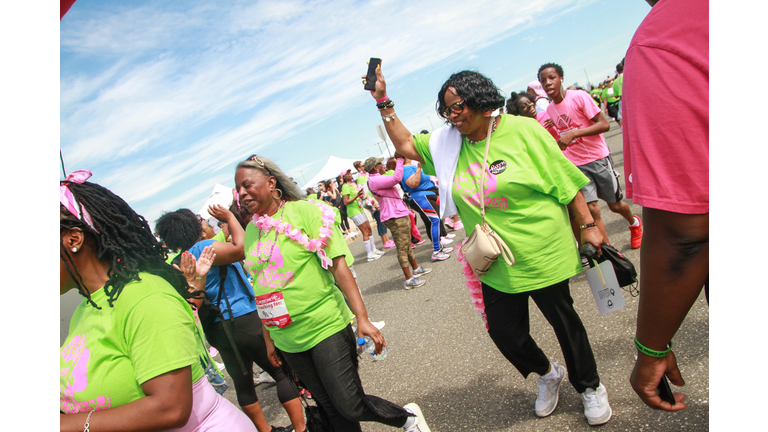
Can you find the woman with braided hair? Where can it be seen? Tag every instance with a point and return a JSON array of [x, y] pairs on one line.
[[131, 352]]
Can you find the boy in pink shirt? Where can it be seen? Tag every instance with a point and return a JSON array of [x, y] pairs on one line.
[[581, 124]]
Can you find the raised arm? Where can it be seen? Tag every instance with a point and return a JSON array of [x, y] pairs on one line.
[[401, 137], [228, 253]]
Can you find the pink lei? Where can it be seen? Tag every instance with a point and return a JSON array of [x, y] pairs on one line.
[[474, 285], [266, 223]]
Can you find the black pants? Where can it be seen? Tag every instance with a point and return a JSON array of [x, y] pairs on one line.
[[509, 328], [249, 339], [329, 370], [344, 221]]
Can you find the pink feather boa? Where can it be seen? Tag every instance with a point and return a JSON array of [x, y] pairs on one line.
[[474, 285]]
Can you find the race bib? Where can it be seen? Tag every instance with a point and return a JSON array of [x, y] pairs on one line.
[[272, 310]]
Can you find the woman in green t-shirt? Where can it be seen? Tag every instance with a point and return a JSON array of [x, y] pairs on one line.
[[528, 184], [296, 255], [131, 351]]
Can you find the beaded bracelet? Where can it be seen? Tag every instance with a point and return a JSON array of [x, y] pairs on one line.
[[388, 118], [386, 104], [650, 352], [589, 225]]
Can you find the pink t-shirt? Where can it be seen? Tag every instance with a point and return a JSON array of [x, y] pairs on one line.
[[576, 111], [391, 203], [665, 109]]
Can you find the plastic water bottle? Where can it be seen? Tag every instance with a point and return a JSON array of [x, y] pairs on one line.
[[369, 347]]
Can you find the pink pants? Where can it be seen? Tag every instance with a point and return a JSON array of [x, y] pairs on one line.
[[211, 412]]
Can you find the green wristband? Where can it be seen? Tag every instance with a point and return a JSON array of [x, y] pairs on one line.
[[650, 352]]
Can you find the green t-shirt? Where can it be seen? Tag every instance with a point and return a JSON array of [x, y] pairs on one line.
[[354, 208], [529, 184], [607, 95], [219, 237], [109, 353], [171, 256], [617, 84], [315, 305]]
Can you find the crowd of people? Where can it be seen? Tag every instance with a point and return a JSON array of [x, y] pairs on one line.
[[269, 280]]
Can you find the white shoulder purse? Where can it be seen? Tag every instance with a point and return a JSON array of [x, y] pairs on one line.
[[484, 246]]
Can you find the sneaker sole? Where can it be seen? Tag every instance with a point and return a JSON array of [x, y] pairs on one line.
[[562, 369], [439, 259], [601, 420], [416, 286]]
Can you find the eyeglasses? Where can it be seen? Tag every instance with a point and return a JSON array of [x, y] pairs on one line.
[[456, 108]]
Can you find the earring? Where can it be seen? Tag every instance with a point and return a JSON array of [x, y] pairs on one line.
[[74, 249], [279, 194]]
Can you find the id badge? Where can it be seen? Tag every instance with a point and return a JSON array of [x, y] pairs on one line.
[[272, 310]]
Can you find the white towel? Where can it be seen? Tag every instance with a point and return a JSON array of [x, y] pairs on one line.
[[444, 146]]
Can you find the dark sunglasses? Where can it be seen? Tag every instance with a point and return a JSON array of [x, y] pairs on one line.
[[456, 108]]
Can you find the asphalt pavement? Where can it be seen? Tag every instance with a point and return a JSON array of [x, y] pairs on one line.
[[441, 357]]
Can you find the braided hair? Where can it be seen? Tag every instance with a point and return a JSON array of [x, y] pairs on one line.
[[123, 239]]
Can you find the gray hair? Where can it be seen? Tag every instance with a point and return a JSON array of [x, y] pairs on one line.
[[268, 167]]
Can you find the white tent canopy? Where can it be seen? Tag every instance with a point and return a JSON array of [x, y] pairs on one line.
[[219, 195], [331, 169]]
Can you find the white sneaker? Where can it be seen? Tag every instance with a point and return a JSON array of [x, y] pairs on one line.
[[421, 271], [446, 250], [549, 391], [450, 236], [596, 407], [354, 234], [414, 282], [440, 256], [445, 241], [263, 378], [373, 257], [421, 424], [379, 252], [379, 324]]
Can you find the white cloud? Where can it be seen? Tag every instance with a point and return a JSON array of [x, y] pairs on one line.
[[178, 95]]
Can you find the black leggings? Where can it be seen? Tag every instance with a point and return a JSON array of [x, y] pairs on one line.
[[249, 339], [344, 221]]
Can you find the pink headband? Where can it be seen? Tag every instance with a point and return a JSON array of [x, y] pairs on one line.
[[68, 200]]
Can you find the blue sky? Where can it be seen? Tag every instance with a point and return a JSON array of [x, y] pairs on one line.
[[161, 99]]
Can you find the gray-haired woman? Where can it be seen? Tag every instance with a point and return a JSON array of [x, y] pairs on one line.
[[295, 254]]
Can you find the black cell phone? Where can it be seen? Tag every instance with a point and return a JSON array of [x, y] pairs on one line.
[[370, 77], [664, 391]]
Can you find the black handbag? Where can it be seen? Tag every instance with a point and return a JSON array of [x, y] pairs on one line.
[[625, 271]]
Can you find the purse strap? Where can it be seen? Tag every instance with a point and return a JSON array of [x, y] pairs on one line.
[[482, 169], [505, 252]]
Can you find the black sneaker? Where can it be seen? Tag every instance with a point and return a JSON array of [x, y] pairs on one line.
[[288, 428]]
